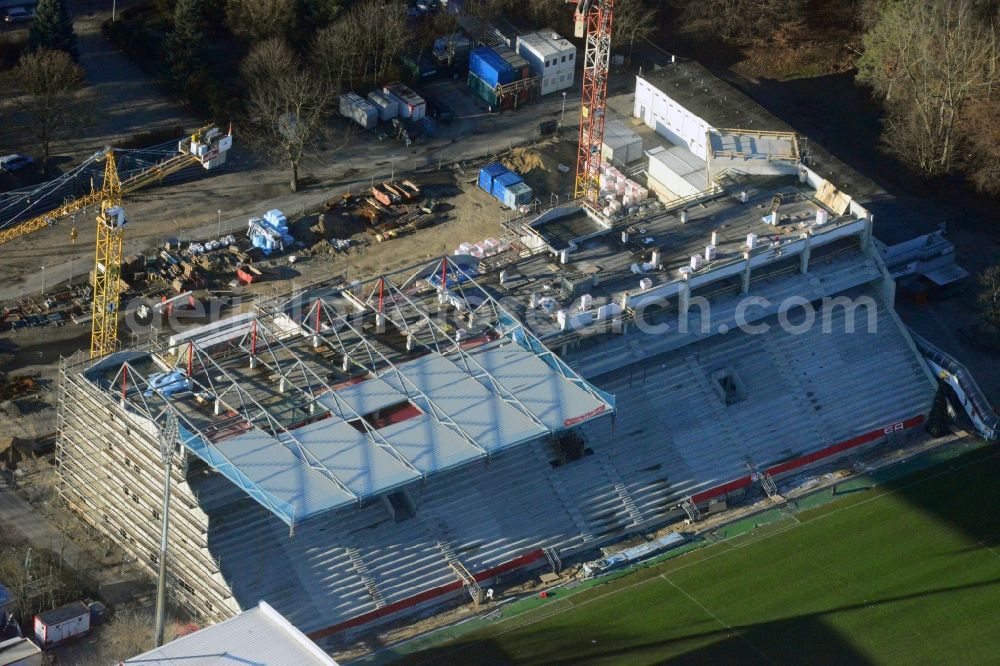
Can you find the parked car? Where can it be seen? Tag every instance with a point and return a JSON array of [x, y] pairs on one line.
[[15, 161], [17, 15]]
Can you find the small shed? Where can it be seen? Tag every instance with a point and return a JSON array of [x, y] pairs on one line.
[[621, 144], [61, 624]]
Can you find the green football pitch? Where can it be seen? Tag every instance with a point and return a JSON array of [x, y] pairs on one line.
[[907, 572]]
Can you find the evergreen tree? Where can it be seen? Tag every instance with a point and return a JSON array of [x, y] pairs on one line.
[[184, 45], [937, 420], [53, 28]]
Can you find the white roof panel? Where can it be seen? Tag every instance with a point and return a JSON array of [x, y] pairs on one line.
[[259, 636]]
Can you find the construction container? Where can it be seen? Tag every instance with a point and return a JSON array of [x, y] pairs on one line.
[[497, 66], [518, 63], [359, 110], [621, 144], [502, 182], [61, 624], [411, 105], [488, 174], [552, 59], [518, 194], [483, 90], [387, 108]]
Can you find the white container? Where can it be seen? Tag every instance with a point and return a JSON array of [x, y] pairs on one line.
[[696, 262], [645, 283], [387, 108], [710, 251], [359, 110], [585, 302], [822, 216], [62, 623], [751, 241]]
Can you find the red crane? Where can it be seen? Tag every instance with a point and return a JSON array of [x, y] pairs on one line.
[[592, 21]]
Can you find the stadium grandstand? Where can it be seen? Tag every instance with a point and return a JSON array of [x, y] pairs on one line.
[[356, 453]]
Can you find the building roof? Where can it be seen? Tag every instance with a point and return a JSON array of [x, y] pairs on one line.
[[274, 408], [546, 43], [63, 613], [617, 134], [682, 162], [259, 636], [13, 650]]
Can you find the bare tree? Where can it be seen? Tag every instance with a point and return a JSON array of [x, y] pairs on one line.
[[990, 295], [287, 103], [358, 50], [981, 145], [739, 20], [50, 80], [259, 19], [634, 21], [928, 59]]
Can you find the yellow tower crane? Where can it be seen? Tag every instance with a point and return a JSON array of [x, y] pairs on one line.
[[207, 147], [107, 263]]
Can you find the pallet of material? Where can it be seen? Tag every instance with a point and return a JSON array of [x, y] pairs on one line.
[[377, 206], [382, 195], [398, 193], [249, 274], [414, 190]]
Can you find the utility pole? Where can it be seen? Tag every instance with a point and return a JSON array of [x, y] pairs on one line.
[[167, 435]]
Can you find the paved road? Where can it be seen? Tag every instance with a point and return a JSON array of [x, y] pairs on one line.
[[17, 514]]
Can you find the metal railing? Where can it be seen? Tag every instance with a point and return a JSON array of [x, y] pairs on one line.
[[973, 400]]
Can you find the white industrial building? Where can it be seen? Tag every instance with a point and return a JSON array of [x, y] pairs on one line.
[[551, 57], [621, 144], [675, 173], [669, 117], [670, 101]]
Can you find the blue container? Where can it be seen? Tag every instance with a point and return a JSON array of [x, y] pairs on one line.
[[488, 174], [490, 66], [518, 194], [502, 182]]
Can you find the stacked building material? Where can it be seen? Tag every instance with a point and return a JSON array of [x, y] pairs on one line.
[[269, 233], [618, 192]]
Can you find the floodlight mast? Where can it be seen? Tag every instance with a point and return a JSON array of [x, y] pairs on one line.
[[167, 435]]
